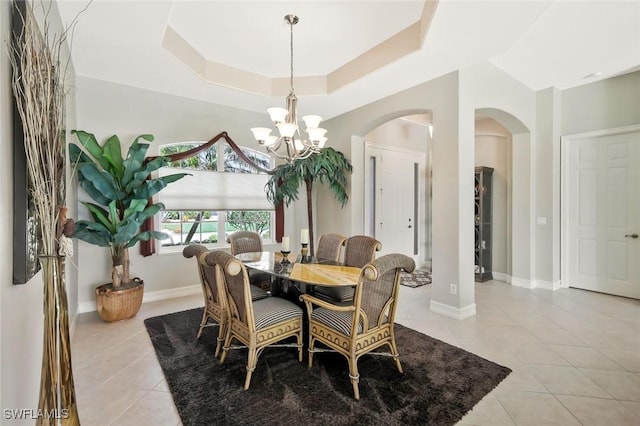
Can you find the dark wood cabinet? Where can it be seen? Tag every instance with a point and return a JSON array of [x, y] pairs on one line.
[[483, 224]]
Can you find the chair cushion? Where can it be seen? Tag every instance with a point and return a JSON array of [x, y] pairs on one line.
[[257, 293], [273, 310], [335, 294], [339, 321]]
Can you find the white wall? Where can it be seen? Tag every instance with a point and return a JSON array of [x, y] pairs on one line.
[[547, 195], [107, 108], [606, 104], [21, 315]]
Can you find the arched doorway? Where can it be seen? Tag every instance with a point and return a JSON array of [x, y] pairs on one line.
[[504, 143], [397, 182]]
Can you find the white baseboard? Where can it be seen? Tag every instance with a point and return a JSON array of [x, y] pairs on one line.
[[520, 282], [501, 276], [453, 312], [548, 285], [154, 296], [151, 296]]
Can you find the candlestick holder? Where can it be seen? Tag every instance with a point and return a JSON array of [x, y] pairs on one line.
[[303, 253], [285, 257]]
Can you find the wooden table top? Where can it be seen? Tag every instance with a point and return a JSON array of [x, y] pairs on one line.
[[312, 272], [325, 275]]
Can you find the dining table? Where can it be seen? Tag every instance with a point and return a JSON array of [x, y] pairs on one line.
[[303, 272]]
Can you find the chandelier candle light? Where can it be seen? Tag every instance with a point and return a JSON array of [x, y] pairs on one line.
[[286, 120]]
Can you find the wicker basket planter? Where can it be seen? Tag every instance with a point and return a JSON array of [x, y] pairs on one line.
[[120, 304]]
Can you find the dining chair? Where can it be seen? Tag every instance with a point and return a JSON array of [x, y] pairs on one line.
[[213, 290], [359, 250], [367, 323], [330, 247], [256, 324], [247, 242]]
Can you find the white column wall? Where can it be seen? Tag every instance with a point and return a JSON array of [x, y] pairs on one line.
[[486, 88], [346, 132], [547, 213]]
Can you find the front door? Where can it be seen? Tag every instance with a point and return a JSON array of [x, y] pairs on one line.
[[397, 221], [604, 214]]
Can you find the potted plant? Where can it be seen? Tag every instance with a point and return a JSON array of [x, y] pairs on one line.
[[122, 188], [328, 166]]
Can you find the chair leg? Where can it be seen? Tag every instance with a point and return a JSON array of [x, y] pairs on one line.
[[299, 339], [312, 341], [354, 376], [396, 355], [251, 365], [202, 323], [222, 332], [227, 344]]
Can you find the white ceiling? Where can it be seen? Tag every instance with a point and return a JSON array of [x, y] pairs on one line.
[[229, 51]]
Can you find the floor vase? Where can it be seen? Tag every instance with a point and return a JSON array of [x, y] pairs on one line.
[[57, 402]]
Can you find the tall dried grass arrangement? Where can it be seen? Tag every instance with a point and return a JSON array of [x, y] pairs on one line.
[[39, 88]]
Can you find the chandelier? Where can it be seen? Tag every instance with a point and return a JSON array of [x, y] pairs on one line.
[[286, 120]]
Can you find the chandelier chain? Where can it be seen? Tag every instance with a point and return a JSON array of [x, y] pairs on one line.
[[291, 45]]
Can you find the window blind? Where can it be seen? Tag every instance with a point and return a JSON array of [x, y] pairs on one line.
[[208, 190]]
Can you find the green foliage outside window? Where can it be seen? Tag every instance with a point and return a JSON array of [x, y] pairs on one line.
[[256, 221]]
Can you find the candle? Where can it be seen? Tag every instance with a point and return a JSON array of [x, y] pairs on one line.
[[304, 236], [285, 244]]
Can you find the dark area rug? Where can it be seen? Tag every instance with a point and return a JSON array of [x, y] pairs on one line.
[[439, 385], [416, 278]]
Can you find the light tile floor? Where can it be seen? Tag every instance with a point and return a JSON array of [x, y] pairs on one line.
[[575, 357]]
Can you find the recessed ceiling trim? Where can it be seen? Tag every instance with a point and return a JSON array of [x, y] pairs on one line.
[[390, 50], [401, 44]]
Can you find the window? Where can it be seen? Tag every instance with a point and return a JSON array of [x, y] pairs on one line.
[[223, 195]]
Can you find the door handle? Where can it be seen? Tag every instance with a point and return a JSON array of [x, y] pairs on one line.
[[631, 236]]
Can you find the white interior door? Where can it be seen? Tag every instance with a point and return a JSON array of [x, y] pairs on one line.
[[604, 214], [398, 198]]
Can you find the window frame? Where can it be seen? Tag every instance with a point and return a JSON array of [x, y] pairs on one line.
[[221, 213]]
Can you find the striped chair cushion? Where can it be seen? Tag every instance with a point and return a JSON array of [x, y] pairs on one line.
[[257, 293], [339, 321], [273, 310], [335, 294]]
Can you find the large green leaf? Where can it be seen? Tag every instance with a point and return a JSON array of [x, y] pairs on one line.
[[89, 142], [113, 154], [77, 155], [127, 229], [147, 235], [135, 206], [92, 233], [151, 187], [99, 184], [99, 214], [134, 161], [141, 175]]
